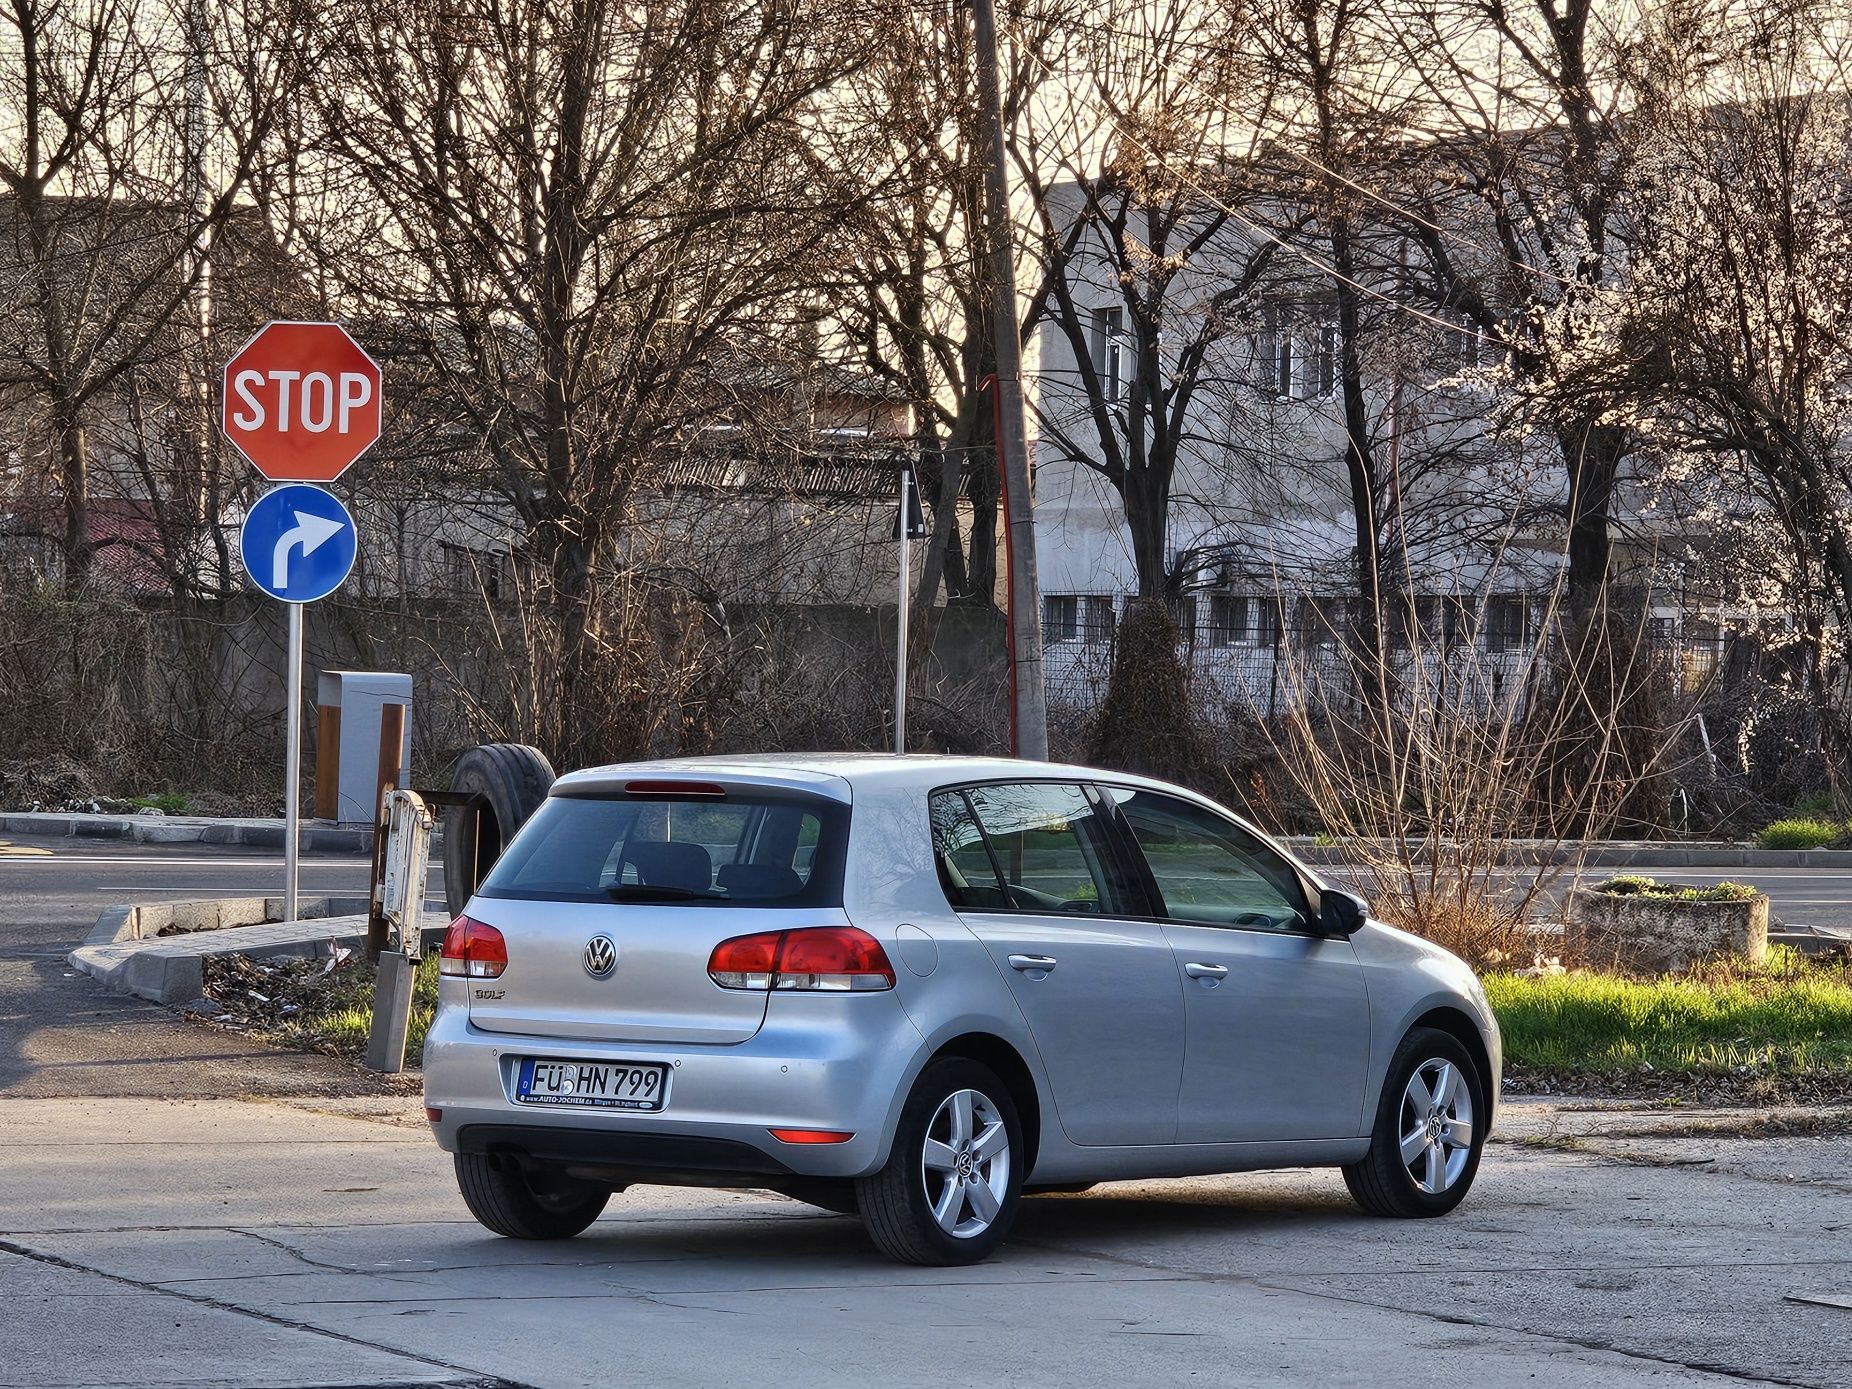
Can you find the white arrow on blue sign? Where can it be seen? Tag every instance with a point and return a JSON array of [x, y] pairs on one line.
[[299, 543]]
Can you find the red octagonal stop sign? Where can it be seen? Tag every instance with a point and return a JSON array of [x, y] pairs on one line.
[[301, 401]]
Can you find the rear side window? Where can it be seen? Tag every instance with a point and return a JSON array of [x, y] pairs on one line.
[[1034, 846], [752, 849]]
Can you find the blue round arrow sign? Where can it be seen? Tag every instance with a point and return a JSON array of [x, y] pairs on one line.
[[298, 543]]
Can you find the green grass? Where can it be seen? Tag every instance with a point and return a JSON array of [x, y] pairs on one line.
[[1789, 1019], [337, 1017], [1801, 832], [167, 802], [1633, 885]]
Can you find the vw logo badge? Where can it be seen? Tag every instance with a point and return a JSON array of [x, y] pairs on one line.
[[600, 956]]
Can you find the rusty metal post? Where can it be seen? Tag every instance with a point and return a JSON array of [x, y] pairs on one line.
[[376, 887], [391, 751], [328, 762], [391, 759]]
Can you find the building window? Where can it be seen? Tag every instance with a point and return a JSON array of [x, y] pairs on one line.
[[1111, 360], [1060, 618], [1325, 360], [1324, 622], [1229, 620], [1298, 358], [1507, 622], [472, 571], [1183, 610], [1096, 624]]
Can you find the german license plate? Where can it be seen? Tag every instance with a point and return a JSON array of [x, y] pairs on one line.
[[591, 1084]]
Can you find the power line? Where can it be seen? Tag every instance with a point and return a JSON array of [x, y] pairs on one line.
[[1297, 153]]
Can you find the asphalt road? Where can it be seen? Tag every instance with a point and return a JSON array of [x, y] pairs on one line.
[[60, 1034]]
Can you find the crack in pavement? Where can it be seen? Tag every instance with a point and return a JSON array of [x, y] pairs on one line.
[[1273, 1283], [474, 1379]]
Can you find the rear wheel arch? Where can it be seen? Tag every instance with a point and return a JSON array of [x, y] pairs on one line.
[[990, 1050]]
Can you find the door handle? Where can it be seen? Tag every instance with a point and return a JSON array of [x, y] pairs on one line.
[[1196, 971], [1041, 962]]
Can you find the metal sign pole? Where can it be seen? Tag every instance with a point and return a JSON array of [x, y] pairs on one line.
[[292, 774], [900, 625]]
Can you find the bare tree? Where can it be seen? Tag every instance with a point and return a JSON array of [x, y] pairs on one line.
[[1150, 225], [114, 200], [1517, 211], [1730, 345], [590, 214]]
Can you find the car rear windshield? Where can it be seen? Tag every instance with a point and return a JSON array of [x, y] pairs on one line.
[[748, 849]]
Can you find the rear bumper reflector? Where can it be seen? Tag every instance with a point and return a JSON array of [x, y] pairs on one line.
[[433, 1116], [810, 1135]]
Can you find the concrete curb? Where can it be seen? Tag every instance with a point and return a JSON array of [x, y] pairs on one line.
[[1619, 854], [125, 952]]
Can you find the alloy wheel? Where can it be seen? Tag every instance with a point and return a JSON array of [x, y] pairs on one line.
[[965, 1163], [1436, 1126]]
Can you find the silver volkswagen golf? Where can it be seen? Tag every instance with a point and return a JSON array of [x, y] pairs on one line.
[[917, 988]]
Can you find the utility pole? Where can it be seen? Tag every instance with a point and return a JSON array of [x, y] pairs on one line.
[[195, 381], [1028, 698], [903, 532]]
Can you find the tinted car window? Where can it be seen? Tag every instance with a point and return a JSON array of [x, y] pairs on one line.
[[747, 849], [1044, 837], [1209, 870]]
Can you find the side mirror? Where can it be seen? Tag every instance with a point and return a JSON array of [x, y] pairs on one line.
[[1341, 913]]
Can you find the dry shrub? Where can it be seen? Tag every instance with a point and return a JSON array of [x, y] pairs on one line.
[[1427, 765]]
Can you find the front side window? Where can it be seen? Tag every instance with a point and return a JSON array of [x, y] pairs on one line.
[[1043, 845], [1210, 871]]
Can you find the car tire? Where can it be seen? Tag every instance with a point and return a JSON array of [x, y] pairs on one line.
[[509, 782], [1414, 1168], [948, 1193], [526, 1203]]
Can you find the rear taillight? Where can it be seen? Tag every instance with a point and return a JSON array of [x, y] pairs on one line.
[[473, 950], [817, 958]]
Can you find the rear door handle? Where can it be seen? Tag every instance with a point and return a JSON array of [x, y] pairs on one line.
[[1196, 971], [1043, 962]]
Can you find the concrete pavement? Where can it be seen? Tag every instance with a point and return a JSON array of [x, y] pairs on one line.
[[205, 1243]]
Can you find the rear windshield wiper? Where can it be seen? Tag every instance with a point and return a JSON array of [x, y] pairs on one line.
[[651, 892]]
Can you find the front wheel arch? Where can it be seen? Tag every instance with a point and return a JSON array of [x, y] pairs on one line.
[[1465, 1031]]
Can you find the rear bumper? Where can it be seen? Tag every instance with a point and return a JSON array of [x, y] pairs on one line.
[[627, 1156], [837, 1062]]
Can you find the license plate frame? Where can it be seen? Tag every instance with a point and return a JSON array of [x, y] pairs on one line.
[[557, 1082]]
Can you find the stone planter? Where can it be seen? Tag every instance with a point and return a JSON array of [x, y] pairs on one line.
[[1661, 935]]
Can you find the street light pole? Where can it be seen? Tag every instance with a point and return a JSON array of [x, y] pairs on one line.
[[1029, 704], [905, 527]]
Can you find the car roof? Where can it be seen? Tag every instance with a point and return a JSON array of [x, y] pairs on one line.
[[839, 774]]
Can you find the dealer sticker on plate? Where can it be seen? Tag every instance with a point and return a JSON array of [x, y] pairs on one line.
[[592, 1084]]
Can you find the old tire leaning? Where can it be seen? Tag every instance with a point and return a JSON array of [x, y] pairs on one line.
[[520, 1204], [1430, 1130], [509, 781], [953, 1180]]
